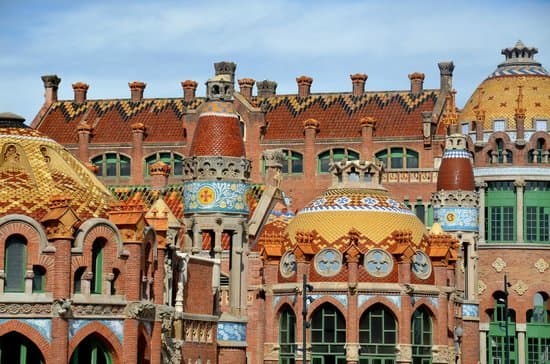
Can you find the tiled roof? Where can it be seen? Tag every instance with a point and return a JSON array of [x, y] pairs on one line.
[[173, 196], [395, 113], [111, 120], [34, 169]]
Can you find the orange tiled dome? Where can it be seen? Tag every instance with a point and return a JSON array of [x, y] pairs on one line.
[[218, 131], [496, 98], [34, 169]]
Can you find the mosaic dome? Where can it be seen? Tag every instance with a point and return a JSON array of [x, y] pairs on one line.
[[362, 206], [34, 169], [497, 96]]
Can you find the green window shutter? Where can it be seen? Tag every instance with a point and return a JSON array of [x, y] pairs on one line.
[[125, 166], [97, 267]]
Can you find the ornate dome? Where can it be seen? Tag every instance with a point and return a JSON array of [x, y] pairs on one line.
[[356, 201], [218, 131], [34, 169], [518, 80], [456, 171]]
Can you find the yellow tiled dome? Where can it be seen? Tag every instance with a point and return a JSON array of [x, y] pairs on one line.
[[34, 169], [371, 212], [518, 79]]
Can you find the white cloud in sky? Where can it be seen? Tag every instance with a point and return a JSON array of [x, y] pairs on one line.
[[107, 44]]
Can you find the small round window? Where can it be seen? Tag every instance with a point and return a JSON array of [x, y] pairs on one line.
[[288, 264], [421, 265], [328, 262], [378, 263]]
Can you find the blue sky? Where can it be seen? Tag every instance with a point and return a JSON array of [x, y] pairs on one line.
[[110, 43]]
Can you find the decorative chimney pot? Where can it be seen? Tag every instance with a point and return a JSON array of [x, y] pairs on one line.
[[189, 90], [51, 83], [266, 88], [304, 85], [136, 90], [246, 85], [358, 80], [80, 89], [417, 83]]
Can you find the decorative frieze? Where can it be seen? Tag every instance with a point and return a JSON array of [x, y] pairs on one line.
[[216, 168], [25, 308]]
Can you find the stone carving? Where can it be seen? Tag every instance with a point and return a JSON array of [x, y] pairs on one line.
[[404, 353], [328, 262], [25, 309], [455, 198], [352, 352], [199, 167], [520, 287], [378, 263], [441, 354], [62, 307], [481, 287], [140, 310], [288, 264], [499, 264], [421, 265], [107, 310], [541, 265], [170, 348]]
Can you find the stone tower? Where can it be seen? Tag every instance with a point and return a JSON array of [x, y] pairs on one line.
[[456, 205], [216, 176]]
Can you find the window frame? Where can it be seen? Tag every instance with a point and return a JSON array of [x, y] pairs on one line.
[[102, 161], [173, 160], [405, 155], [10, 284]]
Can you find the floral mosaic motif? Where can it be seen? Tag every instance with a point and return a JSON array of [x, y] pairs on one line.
[[520, 287], [276, 300], [288, 265], [43, 326], [499, 264], [369, 201], [215, 196], [481, 287], [342, 201], [421, 265], [378, 263], [393, 203], [328, 262], [231, 331], [319, 202], [541, 265], [457, 218], [470, 310]]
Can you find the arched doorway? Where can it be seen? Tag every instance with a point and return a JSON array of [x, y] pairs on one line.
[[18, 349], [377, 336], [328, 336], [93, 350]]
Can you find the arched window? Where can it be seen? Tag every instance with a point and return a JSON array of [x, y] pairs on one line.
[[15, 262], [334, 155], [294, 163], [112, 165], [421, 337], [398, 158], [16, 348], [287, 336], [174, 160], [536, 155], [77, 283], [538, 330], [377, 335], [97, 266], [39, 278], [497, 345], [92, 350], [328, 335]]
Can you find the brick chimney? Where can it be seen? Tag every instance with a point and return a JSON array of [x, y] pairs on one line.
[[246, 85], [51, 83], [159, 172], [136, 90], [80, 90], [266, 88], [189, 90], [417, 83], [446, 75], [358, 80], [304, 85]]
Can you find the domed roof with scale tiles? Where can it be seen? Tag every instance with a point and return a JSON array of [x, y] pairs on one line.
[[34, 169], [496, 98], [356, 205]]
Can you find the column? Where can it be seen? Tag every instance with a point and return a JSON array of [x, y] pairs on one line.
[[83, 142], [138, 131], [367, 126], [481, 186], [520, 330], [520, 186], [311, 127], [352, 324], [483, 346], [133, 293]]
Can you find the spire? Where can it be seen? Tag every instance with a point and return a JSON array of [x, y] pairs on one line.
[[519, 60], [450, 119]]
